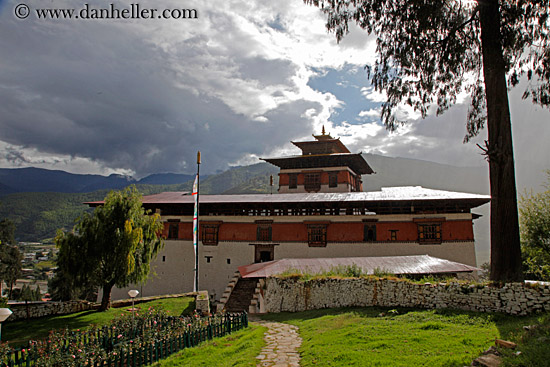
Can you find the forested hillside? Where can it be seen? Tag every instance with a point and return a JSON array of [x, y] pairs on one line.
[[38, 215]]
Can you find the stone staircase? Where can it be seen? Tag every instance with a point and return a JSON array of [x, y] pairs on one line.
[[227, 292], [241, 296]]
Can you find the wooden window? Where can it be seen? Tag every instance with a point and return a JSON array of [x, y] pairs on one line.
[[369, 233], [263, 232], [173, 229], [393, 234], [429, 232], [333, 179], [356, 183], [210, 234], [292, 180], [313, 181], [317, 235]]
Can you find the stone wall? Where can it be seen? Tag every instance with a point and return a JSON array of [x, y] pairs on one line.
[[40, 309], [297, 295]]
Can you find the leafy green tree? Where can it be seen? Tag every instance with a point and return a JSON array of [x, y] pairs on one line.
[[26, 294], [112, 246], [10, 261], [535, 233], [37, 294], [64, 287], [7, 231], [430, 51]]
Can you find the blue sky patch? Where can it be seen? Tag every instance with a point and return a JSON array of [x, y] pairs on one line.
[[346, 84]]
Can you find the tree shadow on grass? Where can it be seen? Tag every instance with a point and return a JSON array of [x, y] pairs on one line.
[[19, 332], [313, 314], [188, 311]]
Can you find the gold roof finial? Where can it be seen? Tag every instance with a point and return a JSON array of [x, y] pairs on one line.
[[323, 136]]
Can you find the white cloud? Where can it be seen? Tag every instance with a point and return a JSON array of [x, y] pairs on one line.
[[373, 112]]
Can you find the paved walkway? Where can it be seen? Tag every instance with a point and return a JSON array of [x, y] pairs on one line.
[[282, 346]]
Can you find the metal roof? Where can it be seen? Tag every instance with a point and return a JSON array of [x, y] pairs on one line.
[[355, 161], [419, 264], [405, 193], [387, 194], [331, 145]]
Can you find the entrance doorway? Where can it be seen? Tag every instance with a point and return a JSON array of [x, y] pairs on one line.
[[263, 253]]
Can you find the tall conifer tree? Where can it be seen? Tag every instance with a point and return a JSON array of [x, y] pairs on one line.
[[429, 51]]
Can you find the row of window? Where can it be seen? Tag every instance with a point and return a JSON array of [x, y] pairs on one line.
[[312, 180], [316, 233]]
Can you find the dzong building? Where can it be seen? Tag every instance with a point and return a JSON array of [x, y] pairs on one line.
[[319, 212]]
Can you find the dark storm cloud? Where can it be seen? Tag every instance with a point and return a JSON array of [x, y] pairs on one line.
[[100, 91]]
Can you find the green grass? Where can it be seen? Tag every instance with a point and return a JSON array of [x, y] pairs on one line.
[[361, 337], [345, 337], [533, 345], [237, 349], [19, 332]]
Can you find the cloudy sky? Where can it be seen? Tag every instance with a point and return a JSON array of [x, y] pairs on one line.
[[239, 82]]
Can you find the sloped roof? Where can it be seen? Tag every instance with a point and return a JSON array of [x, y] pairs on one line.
[[325, 145], [355, 161], [418, 264], [405, 193]]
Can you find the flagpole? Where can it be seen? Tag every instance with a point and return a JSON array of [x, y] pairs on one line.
[[198, 225]]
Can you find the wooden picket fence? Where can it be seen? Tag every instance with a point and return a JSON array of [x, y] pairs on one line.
[[143, 354]]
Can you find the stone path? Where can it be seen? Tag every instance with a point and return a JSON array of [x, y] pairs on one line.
[[282, 346]]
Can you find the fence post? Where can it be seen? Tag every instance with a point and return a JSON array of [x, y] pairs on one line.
[[156, 351]]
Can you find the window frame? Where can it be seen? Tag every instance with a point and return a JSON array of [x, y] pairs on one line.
[[333, 179], [173, 229], [210, 234], [317, 235], [312, 181], [430, 232], [292, 180], [366, 229], [264, 232]]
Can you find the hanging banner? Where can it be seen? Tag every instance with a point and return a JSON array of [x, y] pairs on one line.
[[196, 225]]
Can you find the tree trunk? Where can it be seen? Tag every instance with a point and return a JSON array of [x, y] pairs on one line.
[[505, 244], [106, 298]]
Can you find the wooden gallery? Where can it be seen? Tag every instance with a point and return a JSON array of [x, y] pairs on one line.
[[319, 212]]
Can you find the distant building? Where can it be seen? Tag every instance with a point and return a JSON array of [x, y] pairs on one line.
[[320, 212]]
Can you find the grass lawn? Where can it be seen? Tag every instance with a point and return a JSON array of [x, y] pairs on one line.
[[19, 332], [361, 337], [237, 349], [344, 337], [533, 346]]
